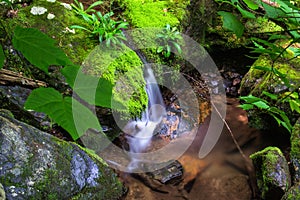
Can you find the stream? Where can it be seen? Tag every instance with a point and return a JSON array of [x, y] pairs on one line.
[[222, 174]]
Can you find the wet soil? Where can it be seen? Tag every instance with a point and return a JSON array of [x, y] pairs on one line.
[[222, 174]]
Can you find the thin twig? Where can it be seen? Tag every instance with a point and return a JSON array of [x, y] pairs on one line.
[[247, 161]]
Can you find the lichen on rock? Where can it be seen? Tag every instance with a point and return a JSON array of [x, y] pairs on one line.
[[36, 165]]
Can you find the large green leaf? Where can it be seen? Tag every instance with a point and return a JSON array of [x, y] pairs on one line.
[[67, 112], [231, 23], [2, 57], [94, 90], [38, 48]]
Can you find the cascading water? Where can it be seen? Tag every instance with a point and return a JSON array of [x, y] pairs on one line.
[[142, 129]]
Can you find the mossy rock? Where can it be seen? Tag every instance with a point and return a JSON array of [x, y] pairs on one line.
[[76, 45], [295, 150], [123, 68], [36, 165], [272, 171], [256, 81], [79, 46]]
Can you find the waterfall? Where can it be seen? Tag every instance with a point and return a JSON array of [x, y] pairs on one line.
[[142, 130]]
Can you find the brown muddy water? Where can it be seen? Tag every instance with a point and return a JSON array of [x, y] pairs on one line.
[[222, 174]]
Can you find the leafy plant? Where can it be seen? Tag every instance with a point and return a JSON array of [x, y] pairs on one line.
[[252, 102], [287, 16], [79, 8], [169, 40], [38, 48], [63, 110], [101, 26]]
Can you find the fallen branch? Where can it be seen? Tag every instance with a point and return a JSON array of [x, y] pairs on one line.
[[8, 77]]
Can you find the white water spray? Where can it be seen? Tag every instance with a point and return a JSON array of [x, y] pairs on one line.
[[142, 130]]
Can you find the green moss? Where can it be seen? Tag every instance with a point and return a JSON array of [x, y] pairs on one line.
[[150, 13], [295, 141], [271, 170], [261, 25], [266, 153], [123, 68], [76, 46]]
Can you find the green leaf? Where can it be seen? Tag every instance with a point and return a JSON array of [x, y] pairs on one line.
[[285, 125], [261, 105], [160, 49], [231, 23], [94, 90], [67, 112], [294, 106], [2, 57], [79, 27], [246, 106], [263, 68], [250, 99], [271, 96], [177, 46], [38, 48], [251, 4], [246, 13], [97, 3]]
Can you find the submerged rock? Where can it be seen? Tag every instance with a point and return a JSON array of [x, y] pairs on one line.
[[295, 151], [36, 165], [272, 172]]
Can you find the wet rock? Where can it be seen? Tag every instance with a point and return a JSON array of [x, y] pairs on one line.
[[293, 193], [166, 173], [36, 165], [170, 173], [295, 151], [272, 172], [2, 192], [13, 98]]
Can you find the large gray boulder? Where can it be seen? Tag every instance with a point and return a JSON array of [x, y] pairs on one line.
[[36, 165]]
